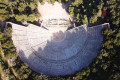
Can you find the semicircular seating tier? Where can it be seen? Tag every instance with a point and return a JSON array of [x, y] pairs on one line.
[[43, 54]]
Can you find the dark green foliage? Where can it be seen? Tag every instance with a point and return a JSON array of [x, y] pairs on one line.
[[1, 36], [3, 10], [36, 76], [85, 19], [7, 44], [17, 8], [4, 69], [21, 70], [8, 32], [91, 10], [71, 10]]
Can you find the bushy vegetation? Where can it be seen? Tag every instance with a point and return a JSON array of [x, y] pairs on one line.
[[86, 11], [19, 10]]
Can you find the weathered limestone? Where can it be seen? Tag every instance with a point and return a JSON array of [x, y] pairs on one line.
[[57, 57]]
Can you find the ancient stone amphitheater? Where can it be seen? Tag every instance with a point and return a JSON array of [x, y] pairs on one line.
[[57, 55]]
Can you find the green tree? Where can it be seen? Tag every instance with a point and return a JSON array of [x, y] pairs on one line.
[[71, 10], [52, 1], [93, 19], [85, 20], [8, 32]]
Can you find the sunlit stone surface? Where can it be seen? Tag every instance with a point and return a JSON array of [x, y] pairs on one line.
[[57, 52]]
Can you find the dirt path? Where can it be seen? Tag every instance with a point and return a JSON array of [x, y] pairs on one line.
[[49, 11]]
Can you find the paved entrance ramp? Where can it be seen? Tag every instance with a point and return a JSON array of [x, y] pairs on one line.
[[57, 53]]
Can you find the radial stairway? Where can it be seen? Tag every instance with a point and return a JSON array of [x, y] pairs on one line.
[[43, 54]]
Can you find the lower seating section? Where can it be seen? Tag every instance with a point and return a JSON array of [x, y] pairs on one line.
[[35, 47]]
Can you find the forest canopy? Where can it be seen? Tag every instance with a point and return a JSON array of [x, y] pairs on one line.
[[19, 9]]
